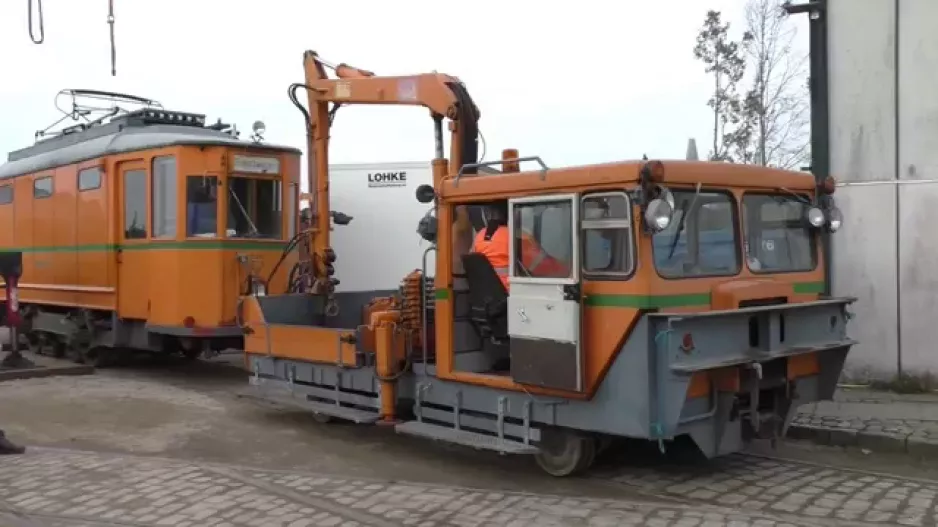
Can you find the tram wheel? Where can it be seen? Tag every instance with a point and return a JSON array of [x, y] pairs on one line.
[[565, 453]]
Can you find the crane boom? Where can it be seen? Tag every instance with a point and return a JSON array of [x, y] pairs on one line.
[[444, 95]]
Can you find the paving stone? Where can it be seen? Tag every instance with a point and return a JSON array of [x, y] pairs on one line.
[[95, 489]]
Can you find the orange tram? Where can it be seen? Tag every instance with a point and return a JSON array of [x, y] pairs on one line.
[[694, 308], [143, 229]]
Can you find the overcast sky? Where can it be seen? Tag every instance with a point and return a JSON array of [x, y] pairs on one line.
[[574, 82]]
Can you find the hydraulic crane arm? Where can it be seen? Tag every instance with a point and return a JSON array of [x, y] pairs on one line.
[[444, 95]]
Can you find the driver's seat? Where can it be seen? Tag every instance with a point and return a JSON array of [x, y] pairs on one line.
[[488, 298]]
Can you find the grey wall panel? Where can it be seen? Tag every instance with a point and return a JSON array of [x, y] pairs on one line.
[[862, 69], [918, 216], [918, 89], [865, 267]]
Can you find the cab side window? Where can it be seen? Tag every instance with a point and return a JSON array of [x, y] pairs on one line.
[[135, 204], [606, 225], [89, 179], [43, 187], [164, 197], [543, 239]]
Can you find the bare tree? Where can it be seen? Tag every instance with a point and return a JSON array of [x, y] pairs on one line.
[[776, 110], [722, 58]]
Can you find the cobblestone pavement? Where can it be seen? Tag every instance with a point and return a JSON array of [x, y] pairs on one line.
[[66, 488], [875, 420], [833, 496]]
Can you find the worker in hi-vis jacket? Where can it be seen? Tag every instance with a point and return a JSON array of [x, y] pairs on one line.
[[493, 242]]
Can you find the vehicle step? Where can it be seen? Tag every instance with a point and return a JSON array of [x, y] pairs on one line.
[[464, 438], [298, 400]]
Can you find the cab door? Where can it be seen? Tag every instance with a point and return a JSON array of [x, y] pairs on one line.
[[544, 313], [133, 215]]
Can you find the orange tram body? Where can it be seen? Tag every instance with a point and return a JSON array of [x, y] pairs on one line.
[[694, 306], [143, 230]]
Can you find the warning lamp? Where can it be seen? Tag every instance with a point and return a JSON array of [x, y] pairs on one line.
[[653, 172], [188, 322], [828, 186]]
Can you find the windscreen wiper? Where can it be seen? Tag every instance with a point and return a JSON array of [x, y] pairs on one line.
[[680, 225]]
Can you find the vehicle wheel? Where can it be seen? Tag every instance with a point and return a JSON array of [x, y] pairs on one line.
[[590, 455], [603, 445], [97, 357], [564, 453], [59, 349], [322, 418]]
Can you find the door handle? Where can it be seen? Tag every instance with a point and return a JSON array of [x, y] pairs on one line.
[[522, 315]]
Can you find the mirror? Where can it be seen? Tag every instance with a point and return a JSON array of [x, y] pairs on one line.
[[425, 193]]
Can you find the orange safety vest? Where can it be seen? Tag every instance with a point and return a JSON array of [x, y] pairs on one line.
[[496, 249]]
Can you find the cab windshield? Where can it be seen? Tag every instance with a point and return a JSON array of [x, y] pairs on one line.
[[701, 238], [777, 238], [254, 208]]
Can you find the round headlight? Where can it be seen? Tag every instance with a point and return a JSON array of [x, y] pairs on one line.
[[836, 219], [815, 216], [658, 215]]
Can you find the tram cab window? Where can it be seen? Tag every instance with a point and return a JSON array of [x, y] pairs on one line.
[[543, 226], [605, 221], [776, 238], [701, 239], [255, 208], [201, 206]]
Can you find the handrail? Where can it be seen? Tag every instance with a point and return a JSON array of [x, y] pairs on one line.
[[483, 164]]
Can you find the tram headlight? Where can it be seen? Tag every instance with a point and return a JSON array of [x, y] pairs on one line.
[[658, 215], [814, 216], [835, 219]]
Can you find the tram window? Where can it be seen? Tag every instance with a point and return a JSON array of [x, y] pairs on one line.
[[255, 208], [777, 239], [549, 225], [201, 206], [135, 204], [89, 179], [702, 244], [164, 197], [6, 194], [605, 220], [42, 187]]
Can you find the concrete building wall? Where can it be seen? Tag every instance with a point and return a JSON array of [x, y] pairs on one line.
[[883, 58]]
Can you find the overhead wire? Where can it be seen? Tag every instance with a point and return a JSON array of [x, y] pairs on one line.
[[32, 28]]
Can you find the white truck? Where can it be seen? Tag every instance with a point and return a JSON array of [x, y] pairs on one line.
[[380, 199]]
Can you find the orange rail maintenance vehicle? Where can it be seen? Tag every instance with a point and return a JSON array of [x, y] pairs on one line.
[[143, 229], [692, 306]]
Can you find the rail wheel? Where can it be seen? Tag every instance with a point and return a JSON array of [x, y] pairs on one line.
[[565, 453]]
